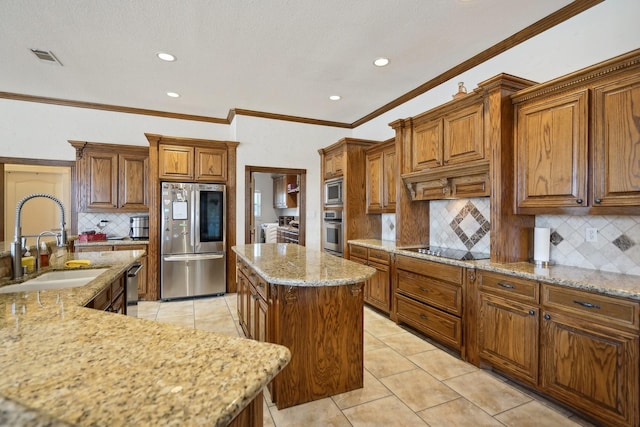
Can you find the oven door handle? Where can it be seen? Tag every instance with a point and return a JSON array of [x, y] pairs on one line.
[[134, 273]]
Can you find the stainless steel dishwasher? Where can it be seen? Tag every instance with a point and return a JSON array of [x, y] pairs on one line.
[[132, 289]]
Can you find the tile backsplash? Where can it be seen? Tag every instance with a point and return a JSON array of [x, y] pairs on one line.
[[115, 225], [617, 248], [388, 226], [460, 224]]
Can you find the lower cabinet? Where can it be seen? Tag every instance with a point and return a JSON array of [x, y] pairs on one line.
[[578, 347], [377, 290], [111, 298], [252, 302], [429, 298]]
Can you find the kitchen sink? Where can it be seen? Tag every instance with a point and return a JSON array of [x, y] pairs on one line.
[[55, 280]]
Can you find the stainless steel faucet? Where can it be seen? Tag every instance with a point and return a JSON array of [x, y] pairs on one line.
[[16, 245]]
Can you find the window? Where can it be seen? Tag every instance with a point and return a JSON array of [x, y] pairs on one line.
[[257, 204]]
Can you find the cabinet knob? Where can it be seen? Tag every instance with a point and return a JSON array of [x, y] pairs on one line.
[[532, 312], [547, 317], [579, 201], [423, 317], [597, 200], [446, 161], [424, 289]]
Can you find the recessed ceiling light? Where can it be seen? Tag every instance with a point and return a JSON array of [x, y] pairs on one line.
[[381, 62], [166, 56], [335, 97], [173, 94]]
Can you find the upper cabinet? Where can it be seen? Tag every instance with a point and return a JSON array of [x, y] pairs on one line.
[[381, 178], [456, 137], [112, 178], [334, 163], [578, 142], [185, 163], [285, 191]]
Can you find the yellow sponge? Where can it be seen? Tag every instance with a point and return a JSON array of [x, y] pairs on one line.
[[77, 263]]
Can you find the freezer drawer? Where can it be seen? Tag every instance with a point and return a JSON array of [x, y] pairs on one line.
[[190, 275]]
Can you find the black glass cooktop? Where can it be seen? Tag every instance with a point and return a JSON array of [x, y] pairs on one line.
[[449, 253]]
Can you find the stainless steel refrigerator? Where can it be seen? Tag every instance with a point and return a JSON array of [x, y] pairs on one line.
[[193, 251]]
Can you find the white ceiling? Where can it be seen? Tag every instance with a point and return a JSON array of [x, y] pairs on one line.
[[276, 56]]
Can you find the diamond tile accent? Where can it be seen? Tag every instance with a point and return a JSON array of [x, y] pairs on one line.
[[623, 242], [469, 220], [556, 238]]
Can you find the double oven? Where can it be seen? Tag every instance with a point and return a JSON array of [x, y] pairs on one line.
[[332, 232]]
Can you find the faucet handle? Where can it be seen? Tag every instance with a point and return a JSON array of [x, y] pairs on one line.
[[23, 242]]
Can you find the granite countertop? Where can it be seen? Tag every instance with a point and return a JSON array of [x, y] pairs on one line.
[[112, 242], [615, 284], [79, 366], [295, 265]]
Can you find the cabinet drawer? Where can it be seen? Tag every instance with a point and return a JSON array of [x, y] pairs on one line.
[[430, 321], [595, 307], [103, 300], [118, 305], [440, 294], [261, 287], [243, 267], [511, 287], [117, 287], [358, 251], [378, 255], [449, 273]]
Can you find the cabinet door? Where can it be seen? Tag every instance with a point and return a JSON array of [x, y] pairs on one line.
[[380, 287], [551, 152], [334, 164], [508, 336], [367, 284], [374, 189], [261, 320], [102, 181], [426, 145], [243, 301], [463, 136], [211, 164], [616, 153], [175, 162], [592, 368], [389, 180], [133, 181]]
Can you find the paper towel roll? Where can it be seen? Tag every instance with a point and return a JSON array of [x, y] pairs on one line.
[[541, 241]]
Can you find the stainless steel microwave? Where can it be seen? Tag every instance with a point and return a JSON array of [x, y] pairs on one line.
[[333, 192]]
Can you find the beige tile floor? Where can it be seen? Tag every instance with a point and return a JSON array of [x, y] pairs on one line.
[[407, 380]]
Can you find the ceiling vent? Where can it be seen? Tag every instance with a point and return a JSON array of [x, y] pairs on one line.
[[46, 56]]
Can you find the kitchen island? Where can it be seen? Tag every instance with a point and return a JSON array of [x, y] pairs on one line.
[[65, 364], [312, 303]]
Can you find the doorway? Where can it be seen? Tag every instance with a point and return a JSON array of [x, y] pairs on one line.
[[259, 201], [21, 177]]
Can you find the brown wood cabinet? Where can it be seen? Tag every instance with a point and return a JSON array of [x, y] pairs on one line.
[[112, 178], [377, 290], [112, 297], [456, 137], [334, 163], [288, 235], [508, 325], [587, 362], [578, 347], [381, 178], [356, 224], [285, 194], [576, 142], [321, 326], [429, 297], [187, 163]]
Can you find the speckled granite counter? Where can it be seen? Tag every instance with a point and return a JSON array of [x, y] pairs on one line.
[[622, 285], [290, 264], [115, 242], [80, 366]]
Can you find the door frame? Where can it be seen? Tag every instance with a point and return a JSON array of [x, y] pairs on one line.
[[248, 198], [73, 211]]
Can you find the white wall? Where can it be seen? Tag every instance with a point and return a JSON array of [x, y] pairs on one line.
[[600, 33]]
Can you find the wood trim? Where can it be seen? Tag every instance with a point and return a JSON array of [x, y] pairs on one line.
[[73, 213], [532, 30]]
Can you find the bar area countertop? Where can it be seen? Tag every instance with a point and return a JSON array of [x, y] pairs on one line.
[[64, 364], [295, 265]]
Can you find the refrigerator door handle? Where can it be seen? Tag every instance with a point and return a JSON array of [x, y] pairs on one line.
[[192, 257], [195, 214]]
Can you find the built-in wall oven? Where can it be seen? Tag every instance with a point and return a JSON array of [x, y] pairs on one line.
[[332, 237]]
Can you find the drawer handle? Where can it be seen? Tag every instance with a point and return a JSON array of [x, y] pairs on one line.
[[586, 304], [598, 201], [547, 317], [532, 312], [506, 285], [424, 289], [424, 317], [579, 201]]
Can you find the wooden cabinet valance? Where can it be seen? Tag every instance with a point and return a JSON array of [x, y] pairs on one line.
[[181, 162]]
